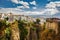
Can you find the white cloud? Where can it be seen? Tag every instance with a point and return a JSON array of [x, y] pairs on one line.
[[8, 10], [51, 8], [19, 11], [25, 4], [34, 8], [51, 5], [33, 2], [15, 1], [22, 7], [50, 11], [20, 2], [33, 13], [57, 3]]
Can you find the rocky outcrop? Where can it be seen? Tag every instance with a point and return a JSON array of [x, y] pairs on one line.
[[15, 31]]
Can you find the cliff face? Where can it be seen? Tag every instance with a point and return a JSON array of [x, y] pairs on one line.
[[32, 31], [15, 31], [58, 35], [53, 25]]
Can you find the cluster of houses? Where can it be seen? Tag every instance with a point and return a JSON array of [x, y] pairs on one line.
[[12, 17], [50, 23]]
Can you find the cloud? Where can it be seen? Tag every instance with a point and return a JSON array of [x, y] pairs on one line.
[[51, 5], [50, 11], [15, 1], [51, 8], [22, 7], [33, 13], [19, 2], [34, 8], [25, 4], [57, 3], [33, 2], [8, 10], [19, 11]]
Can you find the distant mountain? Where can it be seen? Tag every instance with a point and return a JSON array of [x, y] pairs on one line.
[[40, 16], [57, 15]]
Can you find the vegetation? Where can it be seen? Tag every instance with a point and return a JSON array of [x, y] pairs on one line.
[[4, 30], [24, 32], [37, 20], [35, 32]]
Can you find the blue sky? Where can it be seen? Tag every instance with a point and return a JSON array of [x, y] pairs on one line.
[[33, 7]]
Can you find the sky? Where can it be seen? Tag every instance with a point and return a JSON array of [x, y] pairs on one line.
[[30, 7]]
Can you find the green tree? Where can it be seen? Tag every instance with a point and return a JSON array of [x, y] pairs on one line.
[[37, 20], [22, 26]]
